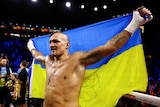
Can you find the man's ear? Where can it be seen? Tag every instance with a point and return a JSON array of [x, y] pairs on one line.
[[68, 45]]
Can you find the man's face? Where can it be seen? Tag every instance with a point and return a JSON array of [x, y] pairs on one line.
[[3, 62], [58, 44]]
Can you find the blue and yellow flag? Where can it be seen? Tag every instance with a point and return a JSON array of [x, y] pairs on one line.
[[108, 80]]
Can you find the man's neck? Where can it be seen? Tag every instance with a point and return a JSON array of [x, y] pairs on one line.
[[60, 58]]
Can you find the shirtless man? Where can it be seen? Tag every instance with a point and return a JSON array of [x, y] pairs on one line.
[[65, 73]]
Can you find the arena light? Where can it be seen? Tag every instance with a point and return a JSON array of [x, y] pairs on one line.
[[51, 1], [104, 7], [3, 26], [34, 0], [82, 6], [95, 8], [68, 4]]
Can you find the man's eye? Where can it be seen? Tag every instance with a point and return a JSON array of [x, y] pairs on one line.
[[54, 41]]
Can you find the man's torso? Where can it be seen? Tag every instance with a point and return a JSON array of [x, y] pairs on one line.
[[64, 80]]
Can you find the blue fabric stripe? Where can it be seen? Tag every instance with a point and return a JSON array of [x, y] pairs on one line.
[[88, 37]]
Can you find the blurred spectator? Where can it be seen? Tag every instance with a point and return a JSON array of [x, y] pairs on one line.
[[152, 84], [157, 89], [22, 79], [5, 74]]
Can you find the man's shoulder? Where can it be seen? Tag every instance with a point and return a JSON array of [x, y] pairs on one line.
[[77, 54]]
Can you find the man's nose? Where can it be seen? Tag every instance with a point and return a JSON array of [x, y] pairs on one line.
[[52, 43]]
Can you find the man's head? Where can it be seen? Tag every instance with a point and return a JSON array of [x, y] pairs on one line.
[[59, 44], [4, 60], [24, 64]]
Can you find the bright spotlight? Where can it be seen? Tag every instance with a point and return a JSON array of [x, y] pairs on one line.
[[95, 8], [104, 6], [68, 4], [51, 1], [34, 0], [82, 6]]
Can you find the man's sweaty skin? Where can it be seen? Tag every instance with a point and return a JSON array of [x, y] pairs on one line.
[[65, 73]]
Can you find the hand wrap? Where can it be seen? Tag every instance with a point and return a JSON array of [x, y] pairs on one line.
[[30, 45], [138, 20]]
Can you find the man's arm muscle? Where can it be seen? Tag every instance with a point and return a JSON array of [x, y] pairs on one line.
[[103, 51], [35, 53], [38, 56]]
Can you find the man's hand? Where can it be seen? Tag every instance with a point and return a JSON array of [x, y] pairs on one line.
[[140, 16], [30, 45], [144, 15]]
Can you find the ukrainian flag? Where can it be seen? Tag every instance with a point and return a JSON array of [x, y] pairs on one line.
[[108, 80]]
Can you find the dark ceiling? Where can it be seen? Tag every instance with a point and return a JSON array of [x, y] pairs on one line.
[[43, 13]]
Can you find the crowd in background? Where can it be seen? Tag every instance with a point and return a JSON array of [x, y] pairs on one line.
[[16, 49]]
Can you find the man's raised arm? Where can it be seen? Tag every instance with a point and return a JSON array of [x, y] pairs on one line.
[[35, 53], [140, 16]]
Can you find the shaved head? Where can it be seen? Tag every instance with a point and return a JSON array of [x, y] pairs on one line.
[[61, 35]]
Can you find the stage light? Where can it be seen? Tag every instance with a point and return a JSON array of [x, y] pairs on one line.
[[82, 6], [10, 23], [34, 0], [51, 1], [54, 28], [68, 4], [95, 8], [104, 6]]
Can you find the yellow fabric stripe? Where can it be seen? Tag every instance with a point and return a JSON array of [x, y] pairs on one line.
[[38, 81], [104, 86]]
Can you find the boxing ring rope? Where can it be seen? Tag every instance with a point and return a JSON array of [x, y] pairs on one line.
[[150, 99]]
